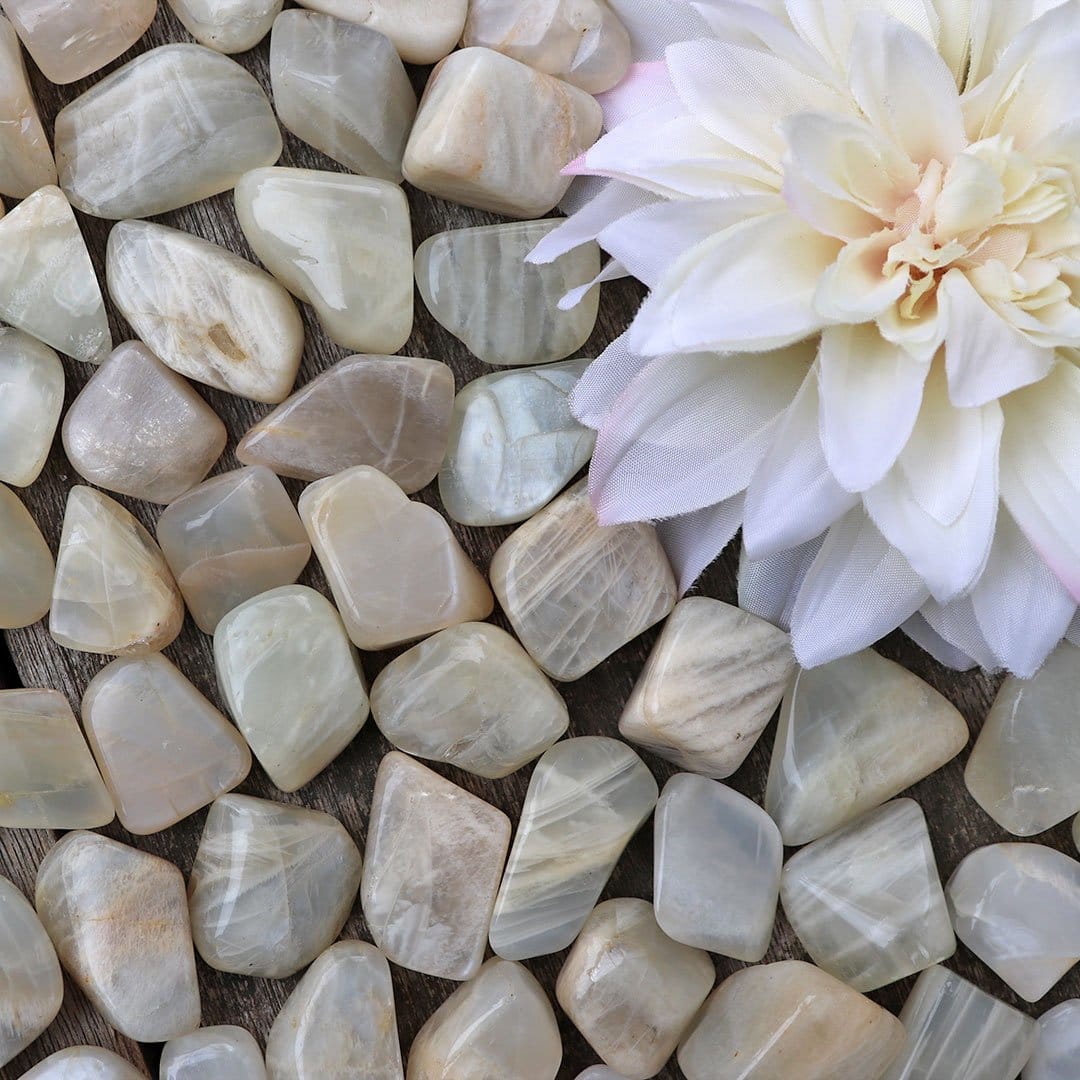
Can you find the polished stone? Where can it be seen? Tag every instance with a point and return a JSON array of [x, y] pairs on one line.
[[471, 697], [575, 592], [227, 26], [213, 1053], [271, 887], [434, 856], [26, 161], [26, 565], [84, 1063], [395, 568], [31, 398], [1057, 1051], [600, 1072], [586, 799]]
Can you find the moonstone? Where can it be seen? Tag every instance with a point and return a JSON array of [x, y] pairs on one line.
[[507, 158], [1057, 1051], [233, 537], [199, 122], [342, 243], [114, 592], [422, 31], [586, 799], [478, 285], [31, 398], [84, 1063], [119, 920], [292, 681], [139, 429], [227, 26], [435, 853], [854, 733], [389, 412], [514, 445], [271, 887], [339, 1023], [600, 1072], [471, 697], [499, 1024], [26, 161], [631, 990], [395, 568], [205, 312], [325, 72], [213, 1053], [575, 592], [26, 565]]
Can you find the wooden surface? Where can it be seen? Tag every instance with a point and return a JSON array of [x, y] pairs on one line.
[[957, 824]]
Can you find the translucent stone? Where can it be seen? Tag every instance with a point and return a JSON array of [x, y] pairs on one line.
[[586, 799], [119, 920], [227, 26], [434, 856], [389, 412], [854, 733], [510, 160], [600, 1072], [631, 990], [26, 161], [716, 868], [26, 565], [339, 1023], [271, 887], [762, 1020], [395, 568], [139, 429], [205, 312], [31, 398], [233, 537], [342, 243], [292, 681], [1017, 908], [575, 592], [114, 592], [471, 697], [1057, 1051], [201, 122], [514, 445], [499, 1024], [213, 1053], [84, 1063], [325, 72]]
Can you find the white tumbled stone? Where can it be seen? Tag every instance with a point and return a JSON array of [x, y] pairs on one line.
[[213, 1053], [599, 1072], [227, 26], [31, 398], [1057, 1050], [26, 161], [84, 1063], [26, 565]]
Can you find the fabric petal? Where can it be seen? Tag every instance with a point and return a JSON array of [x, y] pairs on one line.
[[929, 640], [856, 288], [695, 540], [769, 587], [612, 270], [645, 86], [1073, 634], [604, 380], [613, 203], [655, 24], [955, 622]]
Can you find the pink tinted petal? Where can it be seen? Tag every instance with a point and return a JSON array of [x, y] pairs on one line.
[[604, 380], [644, 87]]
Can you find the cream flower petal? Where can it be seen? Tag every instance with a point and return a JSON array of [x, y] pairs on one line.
[[856, 289], [769, 587], [693, 541], [612, 270]]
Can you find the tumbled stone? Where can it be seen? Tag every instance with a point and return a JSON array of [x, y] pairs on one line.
[[586, 799], [716, 868], [84, 1063], [575, 592], [26, 565], [205, 312], [1057, 1050], [26, 161], [434, 856], [213, 1053], [271, 887], [514, 445], [498, 1024], [231, 538], [389, 412], [119, 920], [852, 734], [341, 243], [31, 398], [339, 1023], [511, 160], [763, 1022], [201, 120], [292, 681], [631, 990], [139, 429], [325, 72], [395, 568], [114, 592], [600, 1072], [227, 26]]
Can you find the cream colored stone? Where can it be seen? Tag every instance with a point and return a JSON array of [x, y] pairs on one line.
[[26, 161], [31, 398], [26, 565], [227, 26], [84, 1063], [213, 1053]]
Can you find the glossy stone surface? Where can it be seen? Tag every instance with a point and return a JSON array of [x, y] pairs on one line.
[[575, 592], [26, 161], [113, 592], [227, 26], [31, 397], [233, 537], [26, 565], [119, 920], [83, 1063], [342, 243], [339, 1023], [271, 887], [292, 681], [434, 856], [396, 570], [205, 312], [202, 122], [471, 697], [510, 161], [139, 429], [514, 445], [631, 990], [599, 1072], [1057, 1051], [586, 799], [853, 734], [389, 412], [213, 1053], [325, 72], [716, 868]]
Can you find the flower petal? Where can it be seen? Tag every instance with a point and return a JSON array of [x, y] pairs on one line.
[[604, 380], [929, 640], [856, 289], [1074, 630], [769, 587], [695, 540], [655, 24], [612, 270], [644, 87], [955, 622]]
